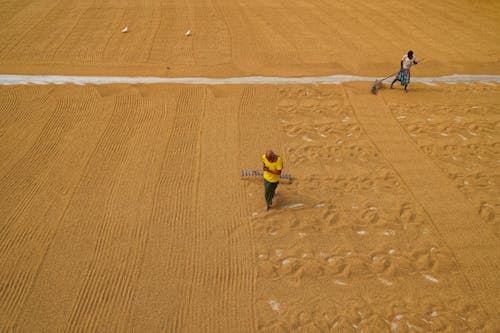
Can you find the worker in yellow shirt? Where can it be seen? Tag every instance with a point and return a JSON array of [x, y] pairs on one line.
[[273, 164]]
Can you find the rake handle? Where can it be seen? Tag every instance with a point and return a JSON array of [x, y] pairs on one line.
[[385, 78]]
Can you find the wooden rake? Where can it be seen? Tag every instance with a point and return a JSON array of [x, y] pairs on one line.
[[248, 173], [376, 83]]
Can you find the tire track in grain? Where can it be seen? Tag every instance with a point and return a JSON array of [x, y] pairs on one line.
[[29, 16], [159, 26], [247, 152], [49, 34], [21, 105], [222, 285], [164, 47], [97, 124], [350, 14], [229, 43], [433, 37], [168, 263], [8, 101], [247, 41], [105, 283], [110, 206], [264, 108], [487, 25], [316, 22], [34, 166], [83, 47], [211, 45], [278, 44], [24, 113], [192, 105], [124, 47], [9, 10]]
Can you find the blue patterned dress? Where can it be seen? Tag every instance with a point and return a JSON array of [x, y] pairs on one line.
[[404, 76]]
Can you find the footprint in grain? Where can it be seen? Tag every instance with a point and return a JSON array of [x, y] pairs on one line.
[[287, 103], [487, 212], [368, 215], [335, 264], [406, 213], [293, 130]]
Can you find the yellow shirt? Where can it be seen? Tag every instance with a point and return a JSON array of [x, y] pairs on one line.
[[278, 165]]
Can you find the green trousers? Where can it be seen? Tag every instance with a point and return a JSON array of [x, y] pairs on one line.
[[269, 190]]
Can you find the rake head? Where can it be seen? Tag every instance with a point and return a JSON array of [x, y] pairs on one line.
[[374, 87], [247, 173]]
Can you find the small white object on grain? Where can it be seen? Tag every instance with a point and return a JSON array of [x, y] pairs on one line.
[[125, 29], [188, 33]]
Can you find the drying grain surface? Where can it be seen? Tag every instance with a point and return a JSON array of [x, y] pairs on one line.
[[246, 38], [123, 208]]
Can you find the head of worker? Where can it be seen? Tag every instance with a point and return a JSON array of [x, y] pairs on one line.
[[271, 156], [410, 54]]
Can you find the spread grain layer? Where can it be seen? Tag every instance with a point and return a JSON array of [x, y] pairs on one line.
[[122, 206]]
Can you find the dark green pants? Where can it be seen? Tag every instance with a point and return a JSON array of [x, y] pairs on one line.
[[269, 189]]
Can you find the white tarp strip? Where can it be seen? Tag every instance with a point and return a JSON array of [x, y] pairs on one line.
[[333, 79]]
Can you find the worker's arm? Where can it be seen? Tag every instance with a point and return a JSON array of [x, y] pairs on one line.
[[276, 172]]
